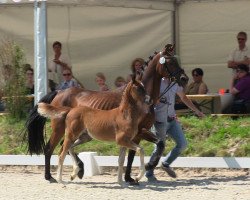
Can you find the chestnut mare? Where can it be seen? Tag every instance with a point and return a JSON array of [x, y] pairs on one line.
[[74, 97], [119, 124]]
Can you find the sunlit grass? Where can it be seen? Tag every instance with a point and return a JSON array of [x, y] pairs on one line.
[[206, 137]]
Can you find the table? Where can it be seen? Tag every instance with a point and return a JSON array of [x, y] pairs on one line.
[[208, 103]]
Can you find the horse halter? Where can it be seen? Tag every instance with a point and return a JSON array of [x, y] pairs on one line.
[[163, 61]]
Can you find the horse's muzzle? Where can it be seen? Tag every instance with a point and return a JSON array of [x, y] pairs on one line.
[[183, 80], [148, 100]]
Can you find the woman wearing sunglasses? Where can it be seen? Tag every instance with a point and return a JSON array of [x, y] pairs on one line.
[[197, 86]]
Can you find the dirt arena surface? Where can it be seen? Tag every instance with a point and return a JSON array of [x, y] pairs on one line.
[[25, 182]]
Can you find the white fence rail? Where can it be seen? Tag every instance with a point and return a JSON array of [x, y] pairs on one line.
[[93, 164]]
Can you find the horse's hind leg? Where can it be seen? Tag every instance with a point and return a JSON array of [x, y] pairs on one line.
[[58, 132], [66, 145]]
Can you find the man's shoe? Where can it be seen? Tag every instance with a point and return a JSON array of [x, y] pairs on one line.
[[169, 171], [151, 179]]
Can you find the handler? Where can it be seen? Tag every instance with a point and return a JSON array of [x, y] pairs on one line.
[[167, 124]]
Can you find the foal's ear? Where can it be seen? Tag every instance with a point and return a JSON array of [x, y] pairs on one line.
[[139, 75], [133, 78]]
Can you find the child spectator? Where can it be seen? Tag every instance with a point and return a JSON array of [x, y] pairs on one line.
[[119, 82], [101, 82]]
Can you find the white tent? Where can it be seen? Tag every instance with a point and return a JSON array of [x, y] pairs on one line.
[[106, 35]]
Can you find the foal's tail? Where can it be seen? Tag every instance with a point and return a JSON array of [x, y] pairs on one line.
[[52, 112], [34, 127]]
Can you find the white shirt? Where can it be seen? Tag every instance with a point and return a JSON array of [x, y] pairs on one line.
[[55, 73], [239, 55], [164, 110]]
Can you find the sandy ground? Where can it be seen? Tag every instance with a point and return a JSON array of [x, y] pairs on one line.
[[20, 182]]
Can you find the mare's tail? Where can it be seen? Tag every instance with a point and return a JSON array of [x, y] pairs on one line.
[[34, 127], [52, 112]]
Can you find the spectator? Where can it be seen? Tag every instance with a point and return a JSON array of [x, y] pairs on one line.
[[197, 86], [119, 82], [6, 79], [29, 79], [68, 81], [166, 124], [240, 55], [57, 65], [136, 66], [241, 90], [101, 82]]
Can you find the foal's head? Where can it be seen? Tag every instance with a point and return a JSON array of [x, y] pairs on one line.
[[136, 94]]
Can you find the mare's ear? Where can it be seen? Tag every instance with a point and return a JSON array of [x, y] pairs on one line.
[[169, 50]]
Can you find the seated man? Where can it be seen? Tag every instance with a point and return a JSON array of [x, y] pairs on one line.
[[241, 90]]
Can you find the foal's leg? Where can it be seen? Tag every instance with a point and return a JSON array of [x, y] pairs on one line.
[[66, 145], [58, 126], [84, 137], [142, 134], [121, 164], [142, 167], [78, 166], [133, 146]]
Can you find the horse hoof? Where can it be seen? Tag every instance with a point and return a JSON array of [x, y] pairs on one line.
[[52, 180], [80, 173], [134, 183]]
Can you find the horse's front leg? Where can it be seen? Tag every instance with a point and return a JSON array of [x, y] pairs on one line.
[[142, 167], [128, 178], [121, 164]]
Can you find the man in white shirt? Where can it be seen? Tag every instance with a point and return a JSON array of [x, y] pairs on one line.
[[240, 55], [166, 124], [58, 64]]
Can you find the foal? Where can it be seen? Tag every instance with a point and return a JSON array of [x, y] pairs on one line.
[[119, 124]]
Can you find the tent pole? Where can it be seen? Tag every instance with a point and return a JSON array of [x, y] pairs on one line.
[[40, 50], [176, 36]]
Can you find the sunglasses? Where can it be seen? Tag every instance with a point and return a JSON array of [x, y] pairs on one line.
[[241, 39], [66, 74]]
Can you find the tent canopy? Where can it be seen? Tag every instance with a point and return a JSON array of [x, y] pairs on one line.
[[106, 35]]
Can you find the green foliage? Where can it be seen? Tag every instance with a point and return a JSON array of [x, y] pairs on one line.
[[12, 60], [206, 137]]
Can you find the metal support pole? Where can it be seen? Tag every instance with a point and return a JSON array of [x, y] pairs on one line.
[[40, 55]]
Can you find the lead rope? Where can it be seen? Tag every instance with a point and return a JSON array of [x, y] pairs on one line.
[[166, 89]]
